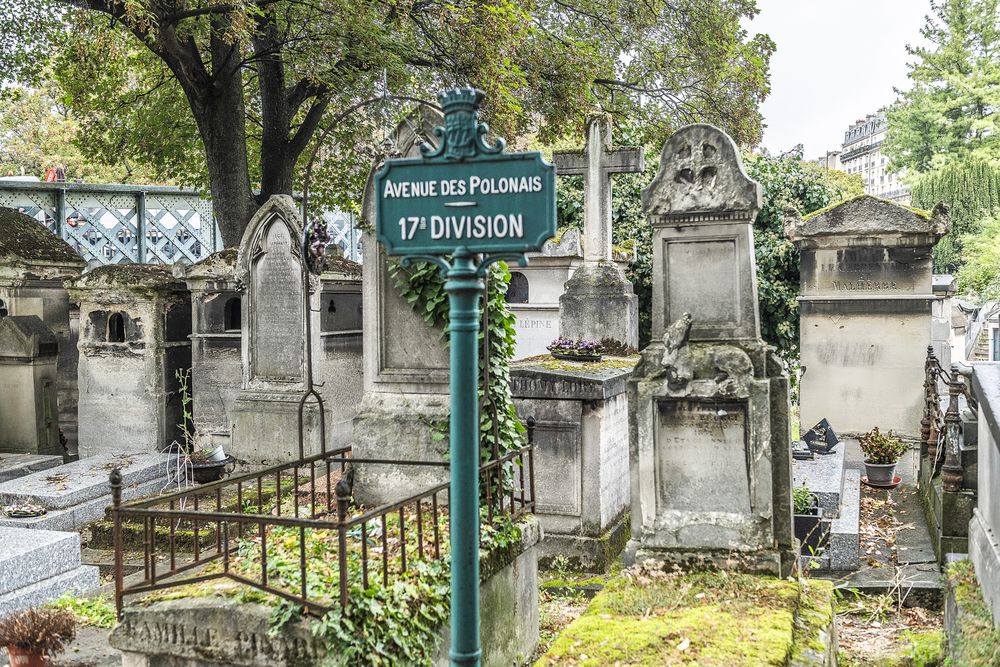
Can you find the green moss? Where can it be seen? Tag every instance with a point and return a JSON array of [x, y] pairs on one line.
[[23, 237], [977, 643], [547, 362], [926, 215], [815, 616], [704, 619]]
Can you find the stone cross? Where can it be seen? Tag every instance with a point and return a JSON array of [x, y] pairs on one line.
[[596, 163]]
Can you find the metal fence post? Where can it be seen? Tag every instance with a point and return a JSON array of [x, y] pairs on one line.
[[951, 471], [140, 226], [116, 499]]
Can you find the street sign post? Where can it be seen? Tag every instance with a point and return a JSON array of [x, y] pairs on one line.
[[465, 205]]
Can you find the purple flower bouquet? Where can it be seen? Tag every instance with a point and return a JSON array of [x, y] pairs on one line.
[[576, 350]]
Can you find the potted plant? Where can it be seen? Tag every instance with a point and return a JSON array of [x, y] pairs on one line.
[[209, 464], [882, 451], [809, 529], [33, 636], [576, 350]]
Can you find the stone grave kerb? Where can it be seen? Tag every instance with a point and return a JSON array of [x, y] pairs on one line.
[[709, 459], [701, 205]]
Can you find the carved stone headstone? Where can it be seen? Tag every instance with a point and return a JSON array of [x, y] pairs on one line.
[[710, 462], [865, 312], [599, 301], [405, 361], [269, 265]]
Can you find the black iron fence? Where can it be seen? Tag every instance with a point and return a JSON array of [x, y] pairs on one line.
[[293, 531], [940, 428]]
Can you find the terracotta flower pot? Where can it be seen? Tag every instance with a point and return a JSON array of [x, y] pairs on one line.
[[21, 658]]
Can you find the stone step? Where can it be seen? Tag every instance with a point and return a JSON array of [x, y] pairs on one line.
[[29, 556], [74, 518], [87, 479], [13, 466], [79, 581], [843, 548]]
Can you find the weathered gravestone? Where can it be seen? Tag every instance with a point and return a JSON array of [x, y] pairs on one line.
[[33, 265], [134, 338], [710, 462], [405, 363], [273, 335], [865, 313], [29, 420], [599, 301]]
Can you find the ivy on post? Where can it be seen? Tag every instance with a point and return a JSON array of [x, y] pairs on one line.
[[464, 206]]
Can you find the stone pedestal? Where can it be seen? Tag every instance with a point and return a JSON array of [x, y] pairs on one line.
[[29, 420], [581, 460], [136, 323], [599, 303], [33, 265], [865, 313], [405, 366], [710, 463]]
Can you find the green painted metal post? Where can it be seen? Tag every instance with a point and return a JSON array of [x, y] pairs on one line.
[[464, 286]]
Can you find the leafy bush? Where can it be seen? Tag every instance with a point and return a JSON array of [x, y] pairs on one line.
[[45, 631], [802, 499], [98, 611], [881, 448]]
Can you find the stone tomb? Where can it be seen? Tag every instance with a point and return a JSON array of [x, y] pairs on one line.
[[599, 301], [266, 413], [33, 265], [710, 463], [865, 313], [29, 420], [581, 459], [534, 292], [134, 340]]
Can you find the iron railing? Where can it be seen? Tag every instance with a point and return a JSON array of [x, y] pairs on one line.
[[229, 525], [940, 429]]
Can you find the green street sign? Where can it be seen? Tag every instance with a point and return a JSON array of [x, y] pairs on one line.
[[465, 193]]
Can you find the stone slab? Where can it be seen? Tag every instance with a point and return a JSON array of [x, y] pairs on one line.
[[79, 580], [74, 518], [528, 380], [84, 480], [913, 543], [844, 547], [29, 556], [824, 475], [13, 466]]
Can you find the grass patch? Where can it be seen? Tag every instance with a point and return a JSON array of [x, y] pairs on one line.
[[978, 643], [97, 612]]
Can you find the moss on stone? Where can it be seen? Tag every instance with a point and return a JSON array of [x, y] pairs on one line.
[[549, 363], [24, 238], [813, 622], [977, 643], [149, 276], [705, 619], [926, 215]]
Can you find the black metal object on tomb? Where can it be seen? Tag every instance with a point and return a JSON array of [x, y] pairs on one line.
[[821, 438]]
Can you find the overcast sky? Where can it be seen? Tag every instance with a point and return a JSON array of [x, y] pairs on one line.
[[836, 61]]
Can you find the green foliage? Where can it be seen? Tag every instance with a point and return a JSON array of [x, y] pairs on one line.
[[788, 183], [149, 77], [422, 286], [802, 499], [398, 625], [979, 275], [881, 448], [971, 190], [951, 111], [98, 611]]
